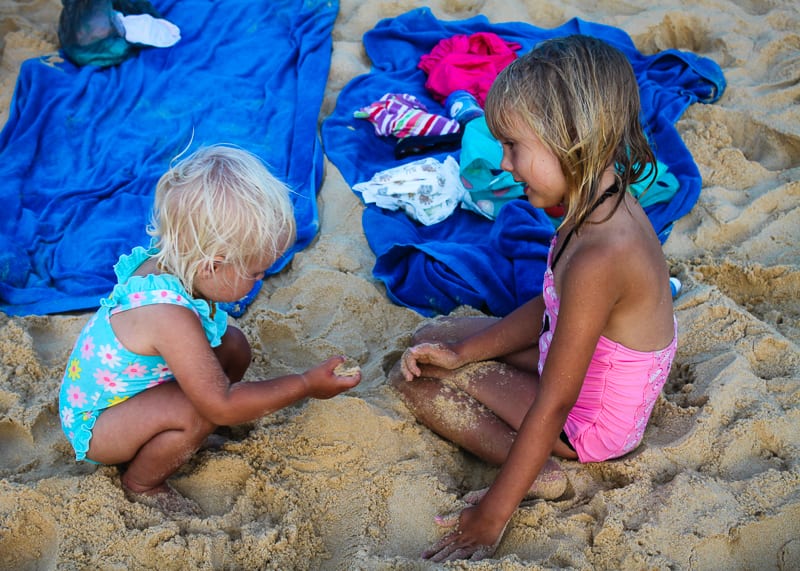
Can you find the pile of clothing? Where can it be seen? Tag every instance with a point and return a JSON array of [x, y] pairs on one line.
[[442, 240]]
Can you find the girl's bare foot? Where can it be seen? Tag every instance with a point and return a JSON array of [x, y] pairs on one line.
[[549, 485], [214, 441], [166, 499]]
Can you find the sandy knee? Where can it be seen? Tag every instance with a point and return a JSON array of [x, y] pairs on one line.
[[395, 376], [450, 329]]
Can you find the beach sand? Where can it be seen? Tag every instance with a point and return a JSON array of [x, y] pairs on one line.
[[354, 482]]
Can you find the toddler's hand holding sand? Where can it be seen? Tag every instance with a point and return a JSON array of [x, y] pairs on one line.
[[435, 354], [330, 378]]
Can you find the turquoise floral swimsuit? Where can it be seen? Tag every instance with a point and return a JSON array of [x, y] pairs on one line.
[[101, 372]]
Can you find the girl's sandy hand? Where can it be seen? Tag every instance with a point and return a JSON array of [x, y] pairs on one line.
[[437, 354], [470, 538], [323, 382]]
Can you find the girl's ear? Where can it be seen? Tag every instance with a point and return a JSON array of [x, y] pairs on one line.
[[207, 270]]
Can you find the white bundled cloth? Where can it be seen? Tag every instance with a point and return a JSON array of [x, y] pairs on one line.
[[146, 30], [427, 190]]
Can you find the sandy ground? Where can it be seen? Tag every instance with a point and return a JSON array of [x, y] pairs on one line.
[[354, 482]]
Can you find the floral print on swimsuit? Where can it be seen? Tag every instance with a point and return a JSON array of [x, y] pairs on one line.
[[101, 372]]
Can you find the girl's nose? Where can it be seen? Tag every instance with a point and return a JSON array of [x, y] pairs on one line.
[[506, 164]]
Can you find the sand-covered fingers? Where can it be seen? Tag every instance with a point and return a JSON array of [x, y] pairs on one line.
[[448, 548], [467, 540], [455, 546], [408, 362], [323, 382], [436, 354]]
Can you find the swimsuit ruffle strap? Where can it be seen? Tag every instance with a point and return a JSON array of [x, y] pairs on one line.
[[136, 291]]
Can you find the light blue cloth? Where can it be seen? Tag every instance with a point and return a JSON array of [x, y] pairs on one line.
[[84, 147], [658, 185], [489, 186]]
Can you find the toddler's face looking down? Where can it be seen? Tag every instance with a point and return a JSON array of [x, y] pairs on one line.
[[225, 283]]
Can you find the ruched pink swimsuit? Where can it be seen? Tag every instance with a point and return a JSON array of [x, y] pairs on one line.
[[618, 393]]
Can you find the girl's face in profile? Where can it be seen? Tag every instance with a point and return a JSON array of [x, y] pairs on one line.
[[224, 283], [530, 162]]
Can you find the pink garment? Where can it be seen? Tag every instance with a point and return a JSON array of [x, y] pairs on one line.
[[467, 62], [618, 393]]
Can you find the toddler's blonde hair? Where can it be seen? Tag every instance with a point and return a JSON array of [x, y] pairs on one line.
[[579, 95], [219, 203]]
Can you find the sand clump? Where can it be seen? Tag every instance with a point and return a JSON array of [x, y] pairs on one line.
[[345, 369], [354, 482]]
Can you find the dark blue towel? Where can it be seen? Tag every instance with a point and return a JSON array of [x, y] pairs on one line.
[[467, 259], [84, 147]]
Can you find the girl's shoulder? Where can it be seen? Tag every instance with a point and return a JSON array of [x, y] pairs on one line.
[[615, 243], [622, 227], [138, 289], [623, 252]]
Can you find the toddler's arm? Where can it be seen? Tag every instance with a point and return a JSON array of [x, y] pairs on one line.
[[178, 336], [250, 400]]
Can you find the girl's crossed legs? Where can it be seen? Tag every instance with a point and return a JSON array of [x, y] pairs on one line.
[[479, 406]]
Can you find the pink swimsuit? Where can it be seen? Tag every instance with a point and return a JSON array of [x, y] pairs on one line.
[[618, 393]]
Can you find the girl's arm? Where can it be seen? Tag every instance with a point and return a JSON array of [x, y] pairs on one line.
[[516, 332], [588, 296], [177, 335]]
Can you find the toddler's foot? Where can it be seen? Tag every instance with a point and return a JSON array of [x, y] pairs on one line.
[[549, 485], [214, 441], [166, 499]]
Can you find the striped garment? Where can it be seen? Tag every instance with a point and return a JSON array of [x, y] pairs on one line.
[[403, 115]]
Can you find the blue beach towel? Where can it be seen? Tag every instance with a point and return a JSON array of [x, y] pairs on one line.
[[467, 259], [84, 147]]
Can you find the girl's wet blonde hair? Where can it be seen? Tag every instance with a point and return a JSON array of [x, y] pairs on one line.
[[580, 97], [220, 203]]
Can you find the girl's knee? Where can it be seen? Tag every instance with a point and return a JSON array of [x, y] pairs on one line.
[[450, 329], [181, 413], [194, 428], [201, 427], [405, 389], [440, 329], [236, 343], [234, 353]]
